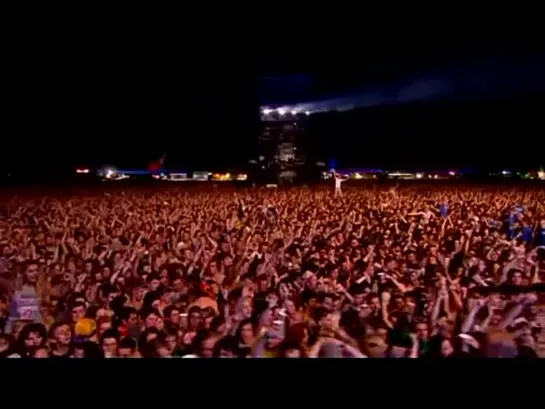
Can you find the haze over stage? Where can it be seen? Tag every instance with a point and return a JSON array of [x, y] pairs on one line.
[[499, 77]]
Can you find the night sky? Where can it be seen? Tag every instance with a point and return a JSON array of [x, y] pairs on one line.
[[203, 112], [90, 111]]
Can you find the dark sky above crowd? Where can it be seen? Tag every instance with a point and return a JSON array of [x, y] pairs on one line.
[[61, 112]]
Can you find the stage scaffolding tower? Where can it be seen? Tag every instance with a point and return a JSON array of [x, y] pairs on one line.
[[283, 146]]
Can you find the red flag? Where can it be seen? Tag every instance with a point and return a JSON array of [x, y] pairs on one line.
[[156, 166]]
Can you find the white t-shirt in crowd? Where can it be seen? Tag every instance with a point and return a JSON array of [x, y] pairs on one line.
[[338, 181]]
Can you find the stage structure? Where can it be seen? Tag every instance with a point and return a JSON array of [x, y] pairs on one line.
[[283, 146]]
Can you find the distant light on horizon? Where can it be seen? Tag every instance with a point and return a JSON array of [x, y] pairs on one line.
[[281, 112], [294, 112], [267, 111], [307, 113]]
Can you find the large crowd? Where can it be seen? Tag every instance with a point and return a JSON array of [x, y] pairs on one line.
[[413, 271]]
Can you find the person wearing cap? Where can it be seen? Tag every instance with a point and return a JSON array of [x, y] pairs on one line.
[[85, 329]]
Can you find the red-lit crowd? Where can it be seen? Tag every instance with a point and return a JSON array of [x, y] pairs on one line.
[[416, 272]]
